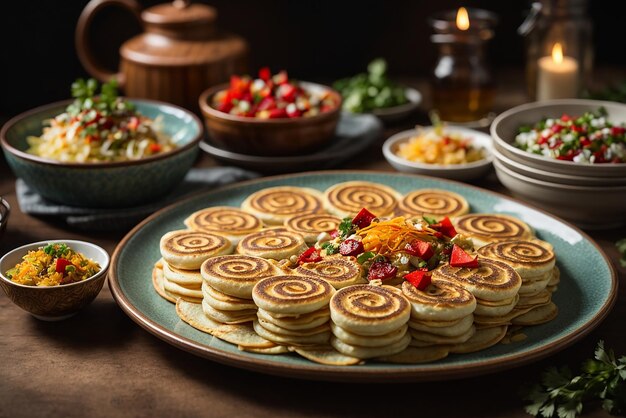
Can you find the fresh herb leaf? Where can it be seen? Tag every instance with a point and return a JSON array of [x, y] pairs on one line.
[[363, 257], [330, 248], [346, 227], [562, 394], [429, 220], [86, 97]]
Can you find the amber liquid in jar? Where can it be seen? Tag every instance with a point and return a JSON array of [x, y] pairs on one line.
[[462, 86]]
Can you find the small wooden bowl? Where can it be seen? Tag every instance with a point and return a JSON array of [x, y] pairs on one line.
[[54, 303], [269, 137]]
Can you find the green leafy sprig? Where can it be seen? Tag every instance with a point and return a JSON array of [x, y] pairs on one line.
[[621, 247], [86, 98], [561, 394]]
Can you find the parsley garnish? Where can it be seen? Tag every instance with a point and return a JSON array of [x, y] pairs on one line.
[[346, 227], [561, 394], [621, 247], [86, 98], [56, 250], [430, 221], [363, 257], [329, 247]]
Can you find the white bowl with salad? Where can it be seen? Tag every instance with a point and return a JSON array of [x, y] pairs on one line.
[[450, 152], [101, 150], [585, 138]]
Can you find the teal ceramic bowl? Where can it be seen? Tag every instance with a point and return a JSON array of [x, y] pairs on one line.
[[103, 185]]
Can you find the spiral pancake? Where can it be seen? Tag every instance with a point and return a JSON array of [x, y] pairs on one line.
[[236, 274], [369, 310], [435, 203], [231, 222], [440, 301], [188, 278], [314, 339], [538, 315], [347, 199], [535, 285], [274, 243], [423, 339], [492, 280], [459, 328], [272, 327], [228, 317], [190, 294], [276, 204], [369, 341], [528, 258], [311, 225], [486, 228], [483, 338], [292, 294], [370, 352], [224, 302], [337, 270], [495, 309], [187, 250], [296, 322]]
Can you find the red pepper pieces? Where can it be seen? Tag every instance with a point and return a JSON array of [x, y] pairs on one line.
[[312, 255], [60, 265], [265, 73], [445, 227], [419, 278], [364, 218], [459, 258], [351, 247], [381, 270], [421, 249]]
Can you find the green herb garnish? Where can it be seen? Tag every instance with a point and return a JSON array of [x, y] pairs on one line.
[[429, 220], [86, 98], [56, 250], [363, 257], [329, 247], [561, 394], [346, 227], [621, 247], [366, 92]]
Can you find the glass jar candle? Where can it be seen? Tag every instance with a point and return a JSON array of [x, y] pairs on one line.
[[462, 85]]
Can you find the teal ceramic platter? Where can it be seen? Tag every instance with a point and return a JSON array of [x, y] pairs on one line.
[[586, 293]]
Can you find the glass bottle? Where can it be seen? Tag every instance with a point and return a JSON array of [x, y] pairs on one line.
[[558, 21], [462, 84]]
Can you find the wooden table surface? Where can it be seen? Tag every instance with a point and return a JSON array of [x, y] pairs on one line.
[[99, 363]]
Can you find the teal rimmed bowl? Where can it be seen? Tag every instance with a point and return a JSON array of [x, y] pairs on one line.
[[103, 185]]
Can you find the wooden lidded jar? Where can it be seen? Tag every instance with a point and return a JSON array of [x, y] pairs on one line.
[[179, 54]]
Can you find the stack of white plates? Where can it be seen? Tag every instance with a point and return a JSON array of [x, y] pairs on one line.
[[591, 195]]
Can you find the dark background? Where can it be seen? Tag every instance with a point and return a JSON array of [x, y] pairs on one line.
[[316, 40]]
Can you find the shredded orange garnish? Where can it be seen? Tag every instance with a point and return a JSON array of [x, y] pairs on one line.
[[386, 237]]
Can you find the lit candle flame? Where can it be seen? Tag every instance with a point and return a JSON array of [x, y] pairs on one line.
[[462, 19], [557, 53]]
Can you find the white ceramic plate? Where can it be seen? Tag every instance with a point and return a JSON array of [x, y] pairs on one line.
[[463, 172]]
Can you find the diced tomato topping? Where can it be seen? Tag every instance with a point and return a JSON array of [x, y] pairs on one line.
[[281, 77], [267, 103], [445, 227], [334, 234], [419, 278], [265, 73], [154, 148], [364, 218], [133, 123], [60, 265], [312, 255], [277, 113], [382, 270], [618, 130], [459, 258], [585, 142], [351, 247], [542, 140], [287, 92], [421, 249], [565, 117], [556, 128]]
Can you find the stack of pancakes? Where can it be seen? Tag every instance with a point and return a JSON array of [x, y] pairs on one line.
[[369, 321], [293, 310], [535, 262], [441, 314], [177, 274], [227, 286], [340, 271], [495, 286]]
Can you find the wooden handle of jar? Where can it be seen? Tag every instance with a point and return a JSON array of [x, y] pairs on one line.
[[83, 46]]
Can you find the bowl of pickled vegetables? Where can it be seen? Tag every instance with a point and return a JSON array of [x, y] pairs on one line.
[[270, 114], [53, 280], [442, 151], [102, 150]]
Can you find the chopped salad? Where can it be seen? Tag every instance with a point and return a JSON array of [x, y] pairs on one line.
[[272, 97], [587, 139], [53, 265], [99, 128], [396, 249]]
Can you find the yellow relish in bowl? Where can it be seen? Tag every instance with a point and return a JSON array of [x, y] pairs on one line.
[[53, 265]]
